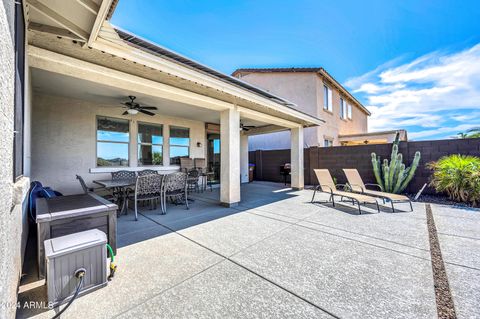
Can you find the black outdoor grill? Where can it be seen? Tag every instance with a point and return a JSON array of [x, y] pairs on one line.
[[285, 171]]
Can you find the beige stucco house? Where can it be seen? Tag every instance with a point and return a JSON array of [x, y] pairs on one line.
[[65, 70], [317, 93]]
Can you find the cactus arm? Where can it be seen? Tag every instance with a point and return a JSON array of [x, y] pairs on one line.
[[386, 173], [391, 169], [411, 172], [396, 174], [377, 169], [400, 178]]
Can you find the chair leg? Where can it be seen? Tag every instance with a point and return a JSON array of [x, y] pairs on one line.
[[314, 191], [411, 207], [136, 216], [393, 208], [359, 208], [378, 207], [333, 200]]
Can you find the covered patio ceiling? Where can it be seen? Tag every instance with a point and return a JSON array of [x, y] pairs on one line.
[[104, 95]]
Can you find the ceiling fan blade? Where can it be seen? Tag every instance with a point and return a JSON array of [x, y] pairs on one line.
[[146, 112], [249, 126], [245, 129], [148, 107], [125, 113]]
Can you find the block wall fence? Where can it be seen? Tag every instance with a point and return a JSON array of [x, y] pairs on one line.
[[267, 163]]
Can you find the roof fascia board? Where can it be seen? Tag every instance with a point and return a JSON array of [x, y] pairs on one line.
[[58, 63], [133, 54], [97, 25]]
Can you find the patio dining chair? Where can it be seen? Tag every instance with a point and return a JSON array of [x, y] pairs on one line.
[[326, 185], [193, 177], [175, 189], [123, 175], [186, 164], [205, 175], [146, 172], [356, 185], [105, 192], [147, 188]]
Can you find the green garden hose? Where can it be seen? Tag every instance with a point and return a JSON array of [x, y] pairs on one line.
[[113, 266]]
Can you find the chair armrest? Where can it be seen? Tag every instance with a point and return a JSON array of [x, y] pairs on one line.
[[379, 187], [356, 185], [331, 190], [345, 186]]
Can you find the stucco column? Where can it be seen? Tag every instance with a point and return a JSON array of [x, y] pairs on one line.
[[166, 145], [296, 147], [230, 157], [243, 158], [133, 146]]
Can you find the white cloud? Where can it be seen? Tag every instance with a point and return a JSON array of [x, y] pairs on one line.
[[421, 92]]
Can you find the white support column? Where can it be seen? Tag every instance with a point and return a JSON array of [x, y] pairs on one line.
[[296, 147], [244, 158], [230, 157]]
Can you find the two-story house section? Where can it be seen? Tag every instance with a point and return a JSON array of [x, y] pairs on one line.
[[315, 92]]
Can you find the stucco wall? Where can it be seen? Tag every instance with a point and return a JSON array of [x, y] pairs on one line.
[[299, 88], [306, 90], [64, 139], [334, 125], [12, 196]]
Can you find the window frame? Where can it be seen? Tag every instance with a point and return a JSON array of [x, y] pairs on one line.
[[327, 141], [18, 156], [343, 108], [139, 143], [107, 141], [327, 98], [176, 145], [349, 111]]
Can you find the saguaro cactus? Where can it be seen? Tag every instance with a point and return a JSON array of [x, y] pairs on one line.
[[393, 177]]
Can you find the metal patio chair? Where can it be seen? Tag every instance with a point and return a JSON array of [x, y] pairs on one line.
[[148, 188], [175, 189]]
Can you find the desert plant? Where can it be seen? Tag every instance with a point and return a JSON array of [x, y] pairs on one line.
[[394, 177], [458, 176]]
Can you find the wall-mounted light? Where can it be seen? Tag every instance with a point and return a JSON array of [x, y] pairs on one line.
[[199, 144]]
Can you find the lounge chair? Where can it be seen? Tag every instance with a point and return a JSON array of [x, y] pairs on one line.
[[356, 184], [326, 185]]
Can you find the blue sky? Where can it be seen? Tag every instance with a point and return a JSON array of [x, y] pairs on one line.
[[414, 64]]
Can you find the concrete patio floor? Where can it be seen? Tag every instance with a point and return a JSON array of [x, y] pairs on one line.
[[277, 255]]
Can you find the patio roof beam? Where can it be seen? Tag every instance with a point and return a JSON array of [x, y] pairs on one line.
[[101, 13], [265, 130], [33, 26], [270, 119], [90, 6], [65, 65], [59, 19]]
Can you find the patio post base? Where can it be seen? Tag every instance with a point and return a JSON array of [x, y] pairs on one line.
[[297, 188], [229, 204]]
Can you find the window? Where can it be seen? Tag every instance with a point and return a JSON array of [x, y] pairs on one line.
[[112, 141], [179, 144], [343, 108], [19, 91], [349, 111], [150, 144], [327, 143], [327, 98]]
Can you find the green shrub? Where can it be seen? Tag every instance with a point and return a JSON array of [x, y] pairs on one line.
[[458, 176]]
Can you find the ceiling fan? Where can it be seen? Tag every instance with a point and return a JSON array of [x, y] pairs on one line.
[[245, 128], [133, 107]]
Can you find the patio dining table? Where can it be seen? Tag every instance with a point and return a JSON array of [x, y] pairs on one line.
[[119, 187]]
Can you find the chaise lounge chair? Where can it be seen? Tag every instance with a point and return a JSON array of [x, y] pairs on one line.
[[326, 185], [356, 184]]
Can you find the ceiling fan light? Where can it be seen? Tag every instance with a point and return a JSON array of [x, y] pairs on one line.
[[132, 111]]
